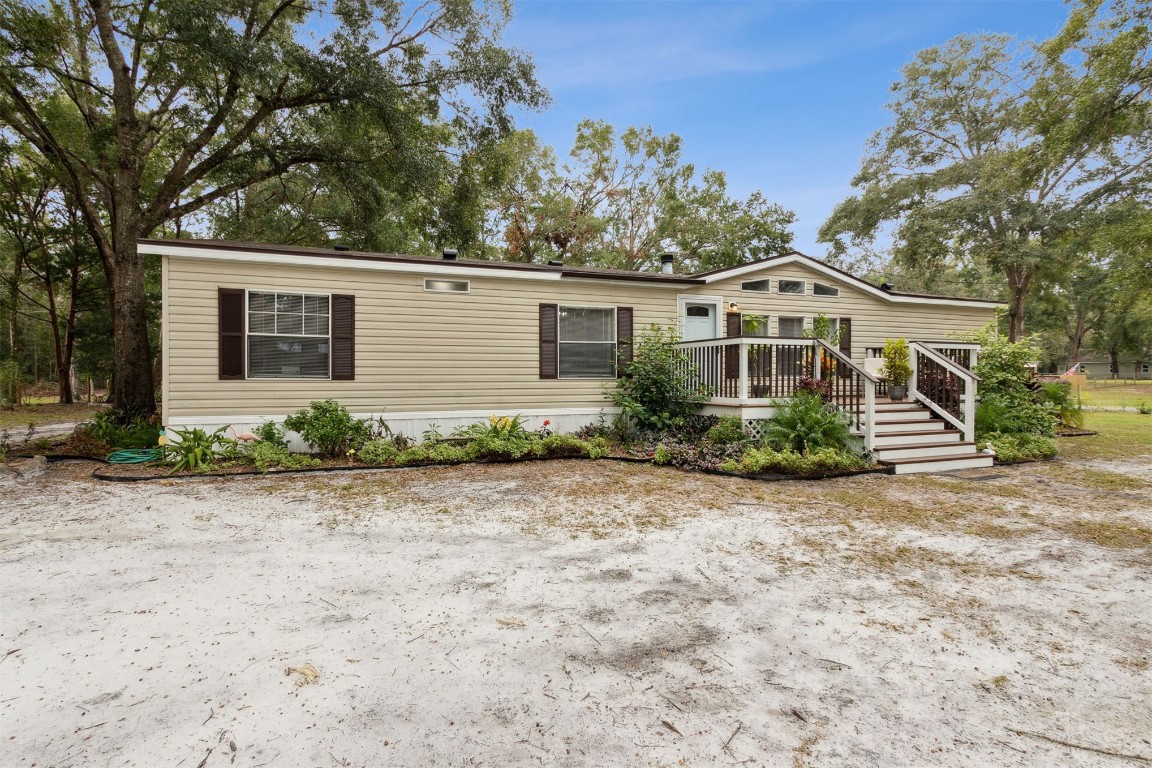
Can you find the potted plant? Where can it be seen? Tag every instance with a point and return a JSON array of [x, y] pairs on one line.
[[896, 368]]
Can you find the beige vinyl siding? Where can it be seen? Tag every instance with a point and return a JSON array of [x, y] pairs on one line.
[[873, 318], [415, 350]]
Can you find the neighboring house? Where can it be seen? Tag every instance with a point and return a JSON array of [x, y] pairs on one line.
[[1103, 369], [254, 332]]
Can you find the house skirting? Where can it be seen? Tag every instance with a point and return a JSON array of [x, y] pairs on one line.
[[412, 424]]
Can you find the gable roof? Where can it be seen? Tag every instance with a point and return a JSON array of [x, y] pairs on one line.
[[306, 255]]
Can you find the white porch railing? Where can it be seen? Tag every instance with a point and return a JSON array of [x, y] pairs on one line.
[[754, 371], [944, 385]]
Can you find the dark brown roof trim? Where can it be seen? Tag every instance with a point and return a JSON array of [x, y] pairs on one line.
[[327, 253]]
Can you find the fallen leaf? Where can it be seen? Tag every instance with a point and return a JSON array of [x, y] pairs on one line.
[[307, 672]]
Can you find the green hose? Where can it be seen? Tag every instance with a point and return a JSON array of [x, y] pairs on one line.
[[135, 455]]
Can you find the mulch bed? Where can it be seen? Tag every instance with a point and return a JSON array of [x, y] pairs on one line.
[[1074, 432]]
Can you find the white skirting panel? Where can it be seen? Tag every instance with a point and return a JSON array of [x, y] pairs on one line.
[[411, 424]]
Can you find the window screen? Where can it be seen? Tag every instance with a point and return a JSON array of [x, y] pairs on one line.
[[820, 289], [288, 335], [756, 285], [790, 286], [587, 341], [754, 325], [791, 327]]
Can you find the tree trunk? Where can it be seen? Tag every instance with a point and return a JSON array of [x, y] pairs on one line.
[[132, 389], [1114, 358], [1019, 278]]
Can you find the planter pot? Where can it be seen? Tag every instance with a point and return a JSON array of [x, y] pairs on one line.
[[897, 392]]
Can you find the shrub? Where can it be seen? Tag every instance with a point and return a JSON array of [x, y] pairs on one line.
[[446, 453], [497, 447], [560, 445], [1058, 397], [378, 451], [119, 429], [662, 455], [759, 461], [805, 422], [502, 427], [269, 432], [1011, 448], [897, 369], [267, 455], [815, 386], [727, 430], [597, 448], [197, 449], [654, 391], [328, 428]]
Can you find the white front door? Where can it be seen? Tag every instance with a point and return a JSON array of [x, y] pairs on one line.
[[699, 322]]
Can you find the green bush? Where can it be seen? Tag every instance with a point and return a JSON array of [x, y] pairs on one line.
[[271, 433], [759, 461], [728, 430], [805, 423], [10, 378], [1058, 397], [122, 430], [1014, 412], [267, 455], [653, 391], [378, 452], [496, 426], [328, 428], [1011, 448], [197, 449], [897, 369], [492, 447], [662, 455]]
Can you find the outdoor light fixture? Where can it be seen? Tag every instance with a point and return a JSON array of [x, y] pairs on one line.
[[733, 307]]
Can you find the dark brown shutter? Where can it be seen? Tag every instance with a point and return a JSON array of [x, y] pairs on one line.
[[230, 317], [623, 338], [343, 337], [734, 323], [548, 359], [845, 343]]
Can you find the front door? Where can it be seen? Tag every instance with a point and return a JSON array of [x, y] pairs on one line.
[[699, 322]]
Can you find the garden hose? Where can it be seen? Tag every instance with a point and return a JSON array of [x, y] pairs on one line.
[[135, 455]]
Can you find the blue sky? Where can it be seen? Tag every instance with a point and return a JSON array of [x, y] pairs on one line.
[[780, 95]]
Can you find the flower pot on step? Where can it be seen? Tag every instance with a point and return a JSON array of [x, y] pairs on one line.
[[897, 392]]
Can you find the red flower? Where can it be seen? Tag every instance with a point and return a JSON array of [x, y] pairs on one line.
[[547, 422]]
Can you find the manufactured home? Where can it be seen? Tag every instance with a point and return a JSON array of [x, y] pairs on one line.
[[255, 332]]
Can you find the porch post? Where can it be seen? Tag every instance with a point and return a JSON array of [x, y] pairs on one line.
[[970, 410], [743, 348], [869, 415]]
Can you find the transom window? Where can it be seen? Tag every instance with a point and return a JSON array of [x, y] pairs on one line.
[[763, 286], [790, 286], [587, 342], [437, 285], [820, 289], [288, 335], [754, 325]]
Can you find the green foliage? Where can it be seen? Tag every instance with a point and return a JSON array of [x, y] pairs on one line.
[[1007, 402], [196, 449], [1011, 448], [897, 368], [271, 433], [759, 461], [1014, 413], [432, 434], [268, 455], [122, 430], [446, 453], [654, 391], [728, 430], [805, 423], [10, 376], [662, 455], [1144, 408], [491, 447], [561, 445], [1058, 397], [822, 329], [503, 427], [328, 428], [378, 451], [597, 448]]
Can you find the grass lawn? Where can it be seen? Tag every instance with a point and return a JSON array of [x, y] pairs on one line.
[[20, 416], [1117, 393], [1122, 434]]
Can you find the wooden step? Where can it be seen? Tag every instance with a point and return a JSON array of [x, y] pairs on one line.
[[945, 463], [885, 426], [918, 450], [921, 436]]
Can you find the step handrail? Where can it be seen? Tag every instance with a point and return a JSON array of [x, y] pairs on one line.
[[867, 419], [966, 421]]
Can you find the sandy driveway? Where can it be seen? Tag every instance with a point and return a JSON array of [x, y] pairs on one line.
[[577, 614]]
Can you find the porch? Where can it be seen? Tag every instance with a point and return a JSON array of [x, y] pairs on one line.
[[932, 430]]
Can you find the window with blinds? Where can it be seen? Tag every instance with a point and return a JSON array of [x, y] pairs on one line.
[[586, 339], [289, 335]]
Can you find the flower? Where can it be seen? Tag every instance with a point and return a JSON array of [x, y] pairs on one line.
[[547, 422]]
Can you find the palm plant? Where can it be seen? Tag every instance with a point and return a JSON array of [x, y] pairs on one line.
[[804, 423]]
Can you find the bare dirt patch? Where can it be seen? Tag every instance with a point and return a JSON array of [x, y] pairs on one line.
[[577, 614]]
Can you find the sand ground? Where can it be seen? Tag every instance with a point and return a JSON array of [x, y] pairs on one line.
[[578, 614]]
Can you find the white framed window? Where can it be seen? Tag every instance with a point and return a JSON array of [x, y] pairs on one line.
[[758, 286], [586, 341], [823, 289], [755, 325], [790, 327], [289, 335], [1145, 368], [791, 286], [440, 285]]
